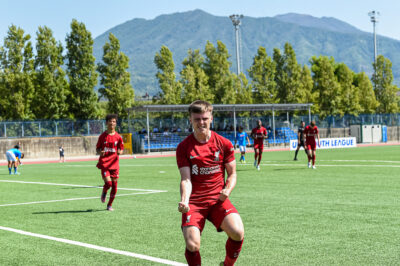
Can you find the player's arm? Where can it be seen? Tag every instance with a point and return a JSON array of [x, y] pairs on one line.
[[120, 148], [230, 180], [99, 148], [186, 189], [318, 139]]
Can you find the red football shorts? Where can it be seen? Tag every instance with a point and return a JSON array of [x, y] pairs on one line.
[[259, 145], [113, 173], [311, 146], [214, 212]]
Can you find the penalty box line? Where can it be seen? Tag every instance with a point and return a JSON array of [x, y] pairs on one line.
[[72, 185], [72, 199], [100, 248]]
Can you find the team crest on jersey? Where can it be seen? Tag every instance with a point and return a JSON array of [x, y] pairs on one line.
[[188, 218], [195, 169], [216, 156], [115, 143]]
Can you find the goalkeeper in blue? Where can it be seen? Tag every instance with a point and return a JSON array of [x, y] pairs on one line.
[[14, 157], [241, 138]]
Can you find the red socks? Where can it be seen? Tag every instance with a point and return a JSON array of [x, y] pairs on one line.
[[313, 160], [112, 193], [259, 157], [233, 249], [193, 258], [106, 186]]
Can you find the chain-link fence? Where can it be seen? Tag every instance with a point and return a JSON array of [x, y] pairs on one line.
[[18, 129]]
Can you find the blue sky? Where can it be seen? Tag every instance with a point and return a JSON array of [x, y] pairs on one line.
[[101, 15]]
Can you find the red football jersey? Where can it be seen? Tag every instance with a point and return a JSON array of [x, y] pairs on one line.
[[207, 165], [310, 134], [110, 144], [259, 134]]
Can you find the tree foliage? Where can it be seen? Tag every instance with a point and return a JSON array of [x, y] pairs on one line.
[[385, 90], [262, 74], [16, 75], [81, 70], [115, 78], [51, 85], [171, 89]]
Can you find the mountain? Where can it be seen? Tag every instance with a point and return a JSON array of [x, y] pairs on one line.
[[140, 39]]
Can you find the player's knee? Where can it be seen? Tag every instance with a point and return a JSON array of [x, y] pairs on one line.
[[237, 234], [193, 246]]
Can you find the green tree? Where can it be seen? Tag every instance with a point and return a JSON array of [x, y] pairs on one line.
[[51, 85], [287, 76], [216, 66], [262, 74], [81, 70], [115, 79], [350, 101], [193, 78], [306, 93], [171, 89], [244, 94], [326, 85], [385, 90], [16, 75], [368, 101]]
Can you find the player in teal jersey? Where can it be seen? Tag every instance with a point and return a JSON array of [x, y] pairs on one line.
[[241, 138]]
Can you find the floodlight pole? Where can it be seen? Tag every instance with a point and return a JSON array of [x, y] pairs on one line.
[[236, 23], [374, 19]]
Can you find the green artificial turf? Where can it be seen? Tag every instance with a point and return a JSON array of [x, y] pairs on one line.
[[346, 212]]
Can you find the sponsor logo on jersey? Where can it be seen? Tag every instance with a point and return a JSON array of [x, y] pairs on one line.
[[106, 149], [216, 159], [195, 169]]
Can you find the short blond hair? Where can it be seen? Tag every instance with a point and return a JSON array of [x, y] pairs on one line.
[[200, 107]]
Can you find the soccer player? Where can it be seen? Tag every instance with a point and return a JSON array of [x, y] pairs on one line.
[[258, 133], [300, 139], [110, 145], [61, 150], [241, 138], [202, 158], [14, 157], [311, 131]]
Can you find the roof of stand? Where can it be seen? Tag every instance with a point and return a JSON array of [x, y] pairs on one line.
[[224, 107]]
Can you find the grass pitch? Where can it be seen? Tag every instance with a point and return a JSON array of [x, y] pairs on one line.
[[346, 212]]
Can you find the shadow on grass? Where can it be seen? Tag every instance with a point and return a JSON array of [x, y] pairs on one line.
[[80, 211]]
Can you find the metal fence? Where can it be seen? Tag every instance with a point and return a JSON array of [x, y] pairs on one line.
[[18, 129]]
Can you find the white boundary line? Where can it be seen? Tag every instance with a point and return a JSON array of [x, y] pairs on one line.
[[327, 165], [49, 201], [105, 249], [72, 185]]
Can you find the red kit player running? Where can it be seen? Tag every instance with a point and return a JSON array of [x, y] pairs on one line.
[[110, 145], [311, 131], [202, 158], [258, 133]]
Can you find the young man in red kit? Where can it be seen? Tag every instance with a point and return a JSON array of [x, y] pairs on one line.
[[110, 145], [311, 131], [202, 158], [258, 133]]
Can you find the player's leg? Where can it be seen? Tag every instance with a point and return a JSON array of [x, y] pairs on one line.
[[297, 150], [9, 166], [113, 192], [16, 167], [259, 157], [313, 158], [256, 152], [226, 218], [309, 155], [192, 238], [107, 184]]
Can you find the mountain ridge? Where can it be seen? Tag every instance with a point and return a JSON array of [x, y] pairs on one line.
[[140, 39]]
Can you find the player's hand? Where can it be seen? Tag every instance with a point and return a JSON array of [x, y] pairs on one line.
[[183, 207], [119, 151], [102, 152], [223, 194]]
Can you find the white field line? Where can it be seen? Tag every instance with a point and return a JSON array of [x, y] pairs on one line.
[[367, 161], [105, 249], [72, 185], [327, 165], [87, 198], [128, 165]]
